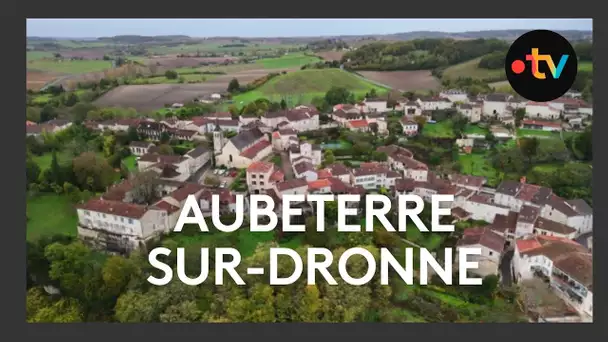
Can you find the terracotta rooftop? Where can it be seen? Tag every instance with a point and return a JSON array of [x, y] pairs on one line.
[[542, 123], [358, 123], [467, 180], [319, 184], [260, 166], [484, 237], [117, 208], [292, 184], [255, 149], [188, 189], [166, 206]]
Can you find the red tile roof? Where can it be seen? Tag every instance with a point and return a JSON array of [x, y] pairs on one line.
[[292, 184], [324, 173], [118, 208], [482, 236], [277, 176], [188, 189], [260, 166], [255, 149], [166, 206], [541, 123], [320, 183], [358, 123]]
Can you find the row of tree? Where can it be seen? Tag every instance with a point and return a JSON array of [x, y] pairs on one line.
[[419, 54]]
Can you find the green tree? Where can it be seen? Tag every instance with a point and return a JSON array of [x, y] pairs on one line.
[[171, 74], [116, 273], [184, 312], [92, 172], [35, 300], [109, 145], [165, 137], [234, 86], [328, 157], [132, 134], [337, 95], [32, 114], [312, 236], [165, 149], [529, 147], [65, 310]]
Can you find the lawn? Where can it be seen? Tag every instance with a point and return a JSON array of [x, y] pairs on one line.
[[247, 241], [129, 163], [288, 61], [69, 66], [50, 214], [477, 164], [304, 85], [44, 161], [523, 132], [474, 129], [441, 129]]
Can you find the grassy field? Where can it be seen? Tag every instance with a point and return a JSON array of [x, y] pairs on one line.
[[474, 129], [523, 132], [129, 162], [69, 66], [471, 69], [216, 47], [477, 164], [246, 241], [302, 86], [50, 214], [441, 129], [32, 55], [288, 61]]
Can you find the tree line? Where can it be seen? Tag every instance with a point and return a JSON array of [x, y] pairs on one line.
[[419, 54]]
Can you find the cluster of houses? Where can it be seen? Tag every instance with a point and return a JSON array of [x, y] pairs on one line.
[[540, 227], [52, 126], [544, 116]]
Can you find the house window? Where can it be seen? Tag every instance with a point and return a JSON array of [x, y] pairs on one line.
[[261, 183], [491, 253], [253, 182], [103, 215], [130, 221], [87, 213], [253, 176]]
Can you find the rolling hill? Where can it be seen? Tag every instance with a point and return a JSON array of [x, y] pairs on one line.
[[301, 86], [471, 69]]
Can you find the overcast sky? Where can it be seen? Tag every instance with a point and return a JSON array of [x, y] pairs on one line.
[[90, 28]]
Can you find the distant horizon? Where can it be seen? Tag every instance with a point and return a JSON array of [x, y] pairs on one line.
[[278, 28]]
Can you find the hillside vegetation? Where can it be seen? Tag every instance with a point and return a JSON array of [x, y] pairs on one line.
[[419, 54], [301, 86]]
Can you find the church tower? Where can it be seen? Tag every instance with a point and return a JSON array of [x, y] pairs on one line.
[[218, 139]]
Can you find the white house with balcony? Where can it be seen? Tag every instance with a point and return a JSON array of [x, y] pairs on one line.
[[565, 265]]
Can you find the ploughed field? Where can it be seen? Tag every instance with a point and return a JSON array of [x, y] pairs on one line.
[[404, 80], [148, 97]]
